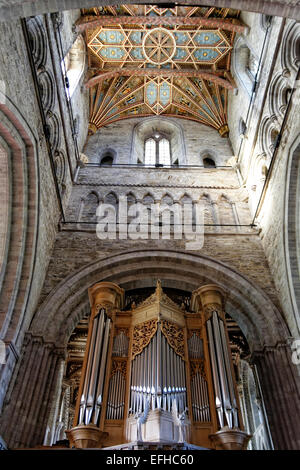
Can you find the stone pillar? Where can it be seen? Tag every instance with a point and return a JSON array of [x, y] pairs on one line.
[[27, 405], [280, 385], [230, 436], [104, 298]]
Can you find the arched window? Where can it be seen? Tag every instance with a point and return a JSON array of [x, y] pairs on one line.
[[73, 65], [208, 163], [157, 151], [107, 159]]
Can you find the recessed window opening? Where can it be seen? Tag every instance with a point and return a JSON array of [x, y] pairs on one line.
[[208, 163], [157, 151]]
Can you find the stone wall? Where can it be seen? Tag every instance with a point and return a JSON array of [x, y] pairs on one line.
[[262, 164], [16, 8], [35, 182], [197, 139]]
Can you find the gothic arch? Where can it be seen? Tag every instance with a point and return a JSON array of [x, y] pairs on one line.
[[259, 319]]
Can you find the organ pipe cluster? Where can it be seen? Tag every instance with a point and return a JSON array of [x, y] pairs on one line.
[[92, 393], [226, 403], [199, 389], [158, 377]]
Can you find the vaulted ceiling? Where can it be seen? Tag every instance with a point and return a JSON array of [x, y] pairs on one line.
[[145, 61]]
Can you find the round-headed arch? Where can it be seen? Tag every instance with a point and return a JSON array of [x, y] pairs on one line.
[[257, 316]]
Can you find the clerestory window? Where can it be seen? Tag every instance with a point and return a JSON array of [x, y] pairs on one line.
[[157, 151]]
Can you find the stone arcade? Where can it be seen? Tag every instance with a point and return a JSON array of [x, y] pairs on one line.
[[144, 341]]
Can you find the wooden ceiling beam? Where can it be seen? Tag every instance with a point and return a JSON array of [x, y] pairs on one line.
[[125, 72], [92, 22]]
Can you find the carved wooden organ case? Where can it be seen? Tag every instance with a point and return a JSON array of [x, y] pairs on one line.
[[157, 373]]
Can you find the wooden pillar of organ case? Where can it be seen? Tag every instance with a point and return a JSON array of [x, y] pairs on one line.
[[230, 436], [105, 297]]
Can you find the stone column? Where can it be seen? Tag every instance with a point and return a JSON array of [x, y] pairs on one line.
[[230, 436], [104, 298], [27, 406], [280, 385]]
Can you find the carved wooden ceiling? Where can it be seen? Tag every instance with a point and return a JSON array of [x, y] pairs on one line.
[[145, 61]]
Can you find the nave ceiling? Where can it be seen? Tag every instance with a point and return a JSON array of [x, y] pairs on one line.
[[149, 61]]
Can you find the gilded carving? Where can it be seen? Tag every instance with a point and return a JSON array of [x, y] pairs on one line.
[[120, 366], [142, 335], [196, 332], [174, 335], [209, 309], [197, 367]]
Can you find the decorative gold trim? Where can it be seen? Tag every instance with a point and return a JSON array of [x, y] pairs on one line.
[[209, 309], [175, 336], [142, 335], [198, 367], [118, 365], [197, 332]]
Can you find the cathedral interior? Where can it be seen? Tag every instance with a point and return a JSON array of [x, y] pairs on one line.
[[150, 225]]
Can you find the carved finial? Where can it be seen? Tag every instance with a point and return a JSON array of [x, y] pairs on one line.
[[158, 290]]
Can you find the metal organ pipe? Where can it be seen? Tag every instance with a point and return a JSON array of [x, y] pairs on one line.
[[157, 374], [90, 403], [226, 402]]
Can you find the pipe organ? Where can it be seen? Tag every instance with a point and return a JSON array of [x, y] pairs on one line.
[[157, 373]]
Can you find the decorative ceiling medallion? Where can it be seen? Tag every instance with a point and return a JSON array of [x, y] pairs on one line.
[[159, 46]]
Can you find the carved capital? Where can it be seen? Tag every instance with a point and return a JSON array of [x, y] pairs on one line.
[[209, 298], [106, 295]]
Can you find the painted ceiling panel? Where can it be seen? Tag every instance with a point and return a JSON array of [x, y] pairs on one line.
[[146, 60]]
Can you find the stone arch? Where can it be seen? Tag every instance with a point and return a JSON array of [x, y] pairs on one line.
[[108, 154], [47, 89], [38, 40], [131, 198], [90, 204], [60, 170], [258, 318], [206, 155], [226, 212], [168, 127], [290, 58], [291, 237], [167, 198], [209, 212], [268, 133], [243, 65], [19, 157], [278, 95], [148, 198]]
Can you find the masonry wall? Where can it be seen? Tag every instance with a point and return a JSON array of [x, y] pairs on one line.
[[196, 139], [264, 170], [18, 85]]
